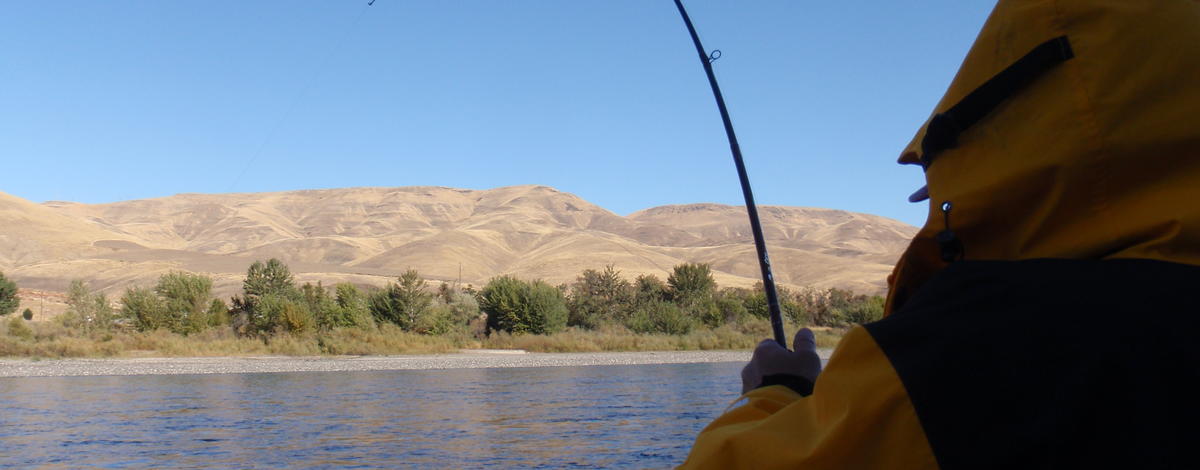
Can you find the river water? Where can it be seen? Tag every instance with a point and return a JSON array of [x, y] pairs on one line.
[[641, 416]]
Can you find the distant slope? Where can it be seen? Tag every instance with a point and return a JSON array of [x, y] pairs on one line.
[[369, 234], [32, 233]]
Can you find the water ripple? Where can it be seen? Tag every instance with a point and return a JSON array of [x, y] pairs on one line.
[[642, 416]]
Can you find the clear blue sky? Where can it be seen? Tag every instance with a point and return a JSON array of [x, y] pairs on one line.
[[115, 100]]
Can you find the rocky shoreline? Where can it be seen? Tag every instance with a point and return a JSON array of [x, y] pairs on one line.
[[467, 359]]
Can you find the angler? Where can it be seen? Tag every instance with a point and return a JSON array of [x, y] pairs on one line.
[[1041, 318]]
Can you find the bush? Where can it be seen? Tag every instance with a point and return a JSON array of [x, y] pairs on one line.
[[145, 310], [755, 301], [253, 313], [649, 288], [404, 303], [87, 311], [599, 297], [279, 314], [187, 299], [660, 317], [864, 310], [18, 328], [9, 302], [451, 314], [839, 307], [691, 281], [28, 314], [180, 302], [516, 306], [218, 313], [546, 307], [352, 307]]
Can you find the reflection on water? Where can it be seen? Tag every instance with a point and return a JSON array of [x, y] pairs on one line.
[[600, 416]]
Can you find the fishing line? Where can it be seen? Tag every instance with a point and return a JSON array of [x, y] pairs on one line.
[[300, 95], [760, 245]]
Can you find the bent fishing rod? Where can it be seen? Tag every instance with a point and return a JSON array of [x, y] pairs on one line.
[[760, 244]]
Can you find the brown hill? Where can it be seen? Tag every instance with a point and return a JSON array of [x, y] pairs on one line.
[[367, 235]]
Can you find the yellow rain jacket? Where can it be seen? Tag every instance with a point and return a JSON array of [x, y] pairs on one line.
[[1045, 318]]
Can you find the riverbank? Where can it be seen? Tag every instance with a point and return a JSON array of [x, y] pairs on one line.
[[50, 340], [467, 359]]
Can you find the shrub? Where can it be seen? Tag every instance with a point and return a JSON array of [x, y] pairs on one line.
[[28, 314], [187, 298], [660, 317], [271, 280], [278, 314], [18, 328], [838, 307], [145, 310], [731, 309], [546, 307], [516, 306], [649, 288], [87, 311], [404, 303], [864, 310], [352, 307], [218, 313], [599, 297], [8, 296], [691, 281], [755, 301], [452, 313]]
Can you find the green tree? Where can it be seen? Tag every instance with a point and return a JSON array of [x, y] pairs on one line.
[[187, 298], [8, 296], [452, 311], [648, 288], [352, 307], [463, 306], [863, 309], [283, 314], [218, 313], [271, 279], [517, 306], [690, 281], [86, 310], [546, 308], [145, 310], [692, 288], [403, 303], [660, 317], [321, 304], [730, 305], [502, 300], [755, 301], [598, 297], [840, 307]]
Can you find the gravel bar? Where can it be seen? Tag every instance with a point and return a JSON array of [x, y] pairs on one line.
[[467, 359]]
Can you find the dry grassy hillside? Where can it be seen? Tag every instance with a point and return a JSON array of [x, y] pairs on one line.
[[366, 235]]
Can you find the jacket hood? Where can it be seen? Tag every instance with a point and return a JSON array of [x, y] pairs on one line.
[[1072, 130]]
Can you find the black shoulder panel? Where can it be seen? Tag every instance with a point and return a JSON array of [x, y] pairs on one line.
[[1053, 363]]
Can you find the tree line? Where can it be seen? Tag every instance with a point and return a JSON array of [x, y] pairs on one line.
[[272, 302]]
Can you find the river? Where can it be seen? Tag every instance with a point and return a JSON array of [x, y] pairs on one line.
[[619, 416]]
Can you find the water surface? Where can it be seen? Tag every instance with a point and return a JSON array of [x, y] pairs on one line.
[[642, 416]]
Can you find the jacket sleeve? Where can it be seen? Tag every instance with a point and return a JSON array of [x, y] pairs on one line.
[[858, 416]]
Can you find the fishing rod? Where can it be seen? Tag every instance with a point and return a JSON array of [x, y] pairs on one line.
[[760, 244]]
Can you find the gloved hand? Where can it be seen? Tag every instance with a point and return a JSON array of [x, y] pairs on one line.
[[783, 367]]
